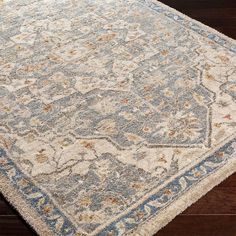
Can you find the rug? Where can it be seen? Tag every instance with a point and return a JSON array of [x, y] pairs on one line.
[[115, 115]]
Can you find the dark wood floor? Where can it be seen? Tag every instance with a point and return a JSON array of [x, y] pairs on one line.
[[215, 213]]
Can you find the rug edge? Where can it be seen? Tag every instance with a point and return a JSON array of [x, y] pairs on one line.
[[148, 228], [27, 213], [201, 24], [190, 197]]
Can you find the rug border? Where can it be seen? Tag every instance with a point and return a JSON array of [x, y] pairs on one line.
[[152, 226], [148, 227], [199, 23], [27, 213]]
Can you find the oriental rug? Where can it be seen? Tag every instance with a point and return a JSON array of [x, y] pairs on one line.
[[115, 115]]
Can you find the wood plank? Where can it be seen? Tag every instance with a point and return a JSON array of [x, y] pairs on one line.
[[224, 13], [230, 31], [221, 200], [185, 225], [214, 22], [220, 15], [14, 226], [5, 208], [199, 4], [229, 182]]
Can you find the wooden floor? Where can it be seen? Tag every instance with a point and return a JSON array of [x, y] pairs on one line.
[[215, 213]]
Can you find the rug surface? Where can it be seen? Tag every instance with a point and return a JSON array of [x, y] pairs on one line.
[[115, 115]]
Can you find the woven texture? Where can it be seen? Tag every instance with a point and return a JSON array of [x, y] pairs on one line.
[[115, 115]]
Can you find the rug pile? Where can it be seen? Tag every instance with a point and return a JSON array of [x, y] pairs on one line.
[[115, 115]]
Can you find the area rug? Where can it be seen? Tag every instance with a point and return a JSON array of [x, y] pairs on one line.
[[115, 115]]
